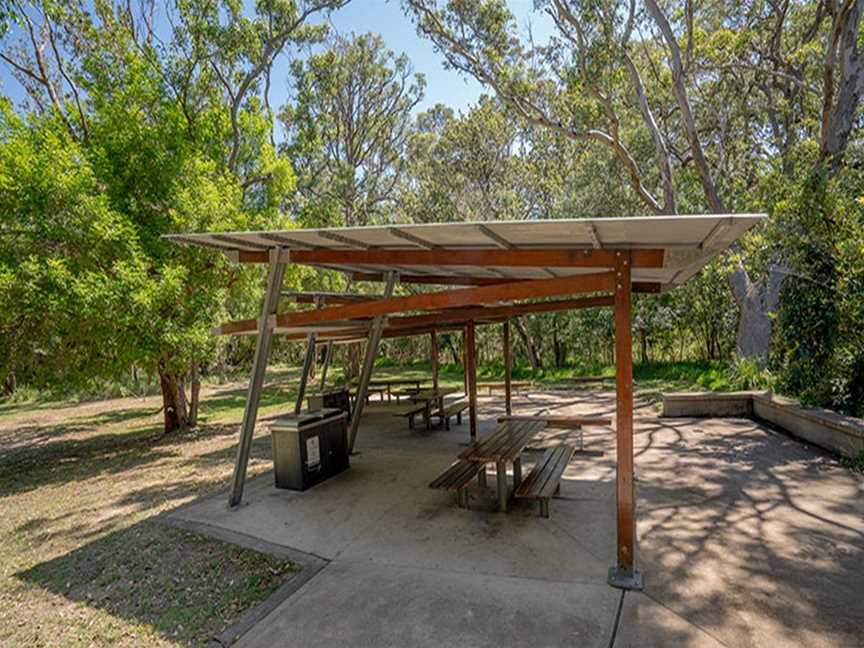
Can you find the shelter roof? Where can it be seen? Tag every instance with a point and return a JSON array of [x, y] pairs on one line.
[[674, 248]]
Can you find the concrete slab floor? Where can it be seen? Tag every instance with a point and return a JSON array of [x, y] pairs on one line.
[[746, 538]]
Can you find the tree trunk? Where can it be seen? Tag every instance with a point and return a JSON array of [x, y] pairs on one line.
[[172, 409], [9, 385], [454, 352], [195, 395], [528, 342], [756, 303], [353, 368], [183, 410], [838, 117]]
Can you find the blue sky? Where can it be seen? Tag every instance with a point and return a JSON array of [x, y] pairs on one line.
[[386, 17]]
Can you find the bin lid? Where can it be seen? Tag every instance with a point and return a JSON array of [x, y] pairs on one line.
[[306, 417]]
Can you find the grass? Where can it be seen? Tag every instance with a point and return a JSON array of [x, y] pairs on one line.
[[856, 463], [83, 563], [651, 379]]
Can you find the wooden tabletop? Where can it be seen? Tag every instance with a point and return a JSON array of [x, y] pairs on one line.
[[506, 443], [433, 394], [395, 381]]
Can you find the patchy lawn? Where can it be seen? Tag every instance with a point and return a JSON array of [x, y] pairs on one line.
[[82, 563]]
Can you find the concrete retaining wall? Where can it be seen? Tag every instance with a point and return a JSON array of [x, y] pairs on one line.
[[841, 434]]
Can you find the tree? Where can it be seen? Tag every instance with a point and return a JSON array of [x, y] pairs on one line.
[[177, 137], [464, 167], [575, 87], [67, 259], [348, 128]]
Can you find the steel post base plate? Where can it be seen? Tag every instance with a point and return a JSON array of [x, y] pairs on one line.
[[626, 579]]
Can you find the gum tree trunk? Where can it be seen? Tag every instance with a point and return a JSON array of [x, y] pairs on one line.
[[195, 396], [173, 401], [756, 302], [528, 342]]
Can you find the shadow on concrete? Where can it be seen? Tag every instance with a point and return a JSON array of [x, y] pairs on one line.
[[750, 535]]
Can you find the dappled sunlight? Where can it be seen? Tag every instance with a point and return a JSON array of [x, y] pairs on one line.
[[727, 542]]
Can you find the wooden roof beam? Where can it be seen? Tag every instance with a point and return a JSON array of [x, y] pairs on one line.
[[549, 258], [459, 280], [432, 279], [597, 282]]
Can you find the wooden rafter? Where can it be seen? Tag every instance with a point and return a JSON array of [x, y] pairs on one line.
[[597, 282], [327, 297], [461, 315]]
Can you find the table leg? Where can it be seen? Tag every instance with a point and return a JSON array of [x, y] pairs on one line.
[[481, 476], [517, 472], [503, 495], [428, 415]]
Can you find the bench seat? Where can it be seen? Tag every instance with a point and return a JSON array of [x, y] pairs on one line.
[[410, 412], [544, 479], [452, 409], [405, 393], [456, 478]]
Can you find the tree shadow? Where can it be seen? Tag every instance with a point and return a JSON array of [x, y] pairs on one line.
[[69, 460], [744, 531], [180, 585]]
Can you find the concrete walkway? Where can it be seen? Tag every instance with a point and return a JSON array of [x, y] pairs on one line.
[[747, 538]]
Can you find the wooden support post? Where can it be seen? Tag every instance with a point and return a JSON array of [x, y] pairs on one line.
[[308, 362], [624, 574], [465, 361], [368, 363], [433, 341], [259, 366], [471, 373], [508, 368], [327, 355]]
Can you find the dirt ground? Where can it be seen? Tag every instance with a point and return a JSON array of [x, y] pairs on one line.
[[82, 562]]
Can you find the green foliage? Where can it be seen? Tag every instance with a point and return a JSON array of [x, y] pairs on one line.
[[819, 345], [747, 374], [347, 129], [157, 145], [69, 261], [855, 463]]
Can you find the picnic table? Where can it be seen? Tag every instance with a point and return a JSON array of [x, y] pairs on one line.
[[504, 445], [430, 397], [514, 384], [386, 385]]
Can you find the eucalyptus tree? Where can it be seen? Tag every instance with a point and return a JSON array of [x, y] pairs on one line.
[[464, 167], [348, 126], [627, 78]]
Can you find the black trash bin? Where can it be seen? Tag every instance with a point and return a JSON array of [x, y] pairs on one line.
[[309, 447], [334, 398]]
